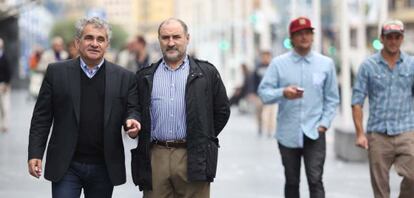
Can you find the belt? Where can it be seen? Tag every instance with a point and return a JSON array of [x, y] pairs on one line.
[[171, 144]]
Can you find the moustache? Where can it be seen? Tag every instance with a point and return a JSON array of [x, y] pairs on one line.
[[172, 48]]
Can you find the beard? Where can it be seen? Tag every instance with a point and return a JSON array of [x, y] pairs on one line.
[[173, 57]]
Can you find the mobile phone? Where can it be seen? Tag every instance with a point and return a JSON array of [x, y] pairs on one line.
[[300, 89]]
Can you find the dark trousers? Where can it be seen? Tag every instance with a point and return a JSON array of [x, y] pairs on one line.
[[313, 152], [94, 180]]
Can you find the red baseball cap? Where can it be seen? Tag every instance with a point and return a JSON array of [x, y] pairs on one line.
[[391, 26], [298, 24]]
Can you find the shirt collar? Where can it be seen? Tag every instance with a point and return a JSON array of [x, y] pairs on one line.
[[297, 57], [182, 66], [96, 67], [380, 59]]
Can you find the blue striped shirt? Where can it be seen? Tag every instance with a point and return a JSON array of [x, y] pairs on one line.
[[88, 71], [298, 117], [389, 92], [168, 106]]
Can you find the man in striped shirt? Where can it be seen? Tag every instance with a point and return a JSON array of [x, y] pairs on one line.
[[387, 79], [184, 107]]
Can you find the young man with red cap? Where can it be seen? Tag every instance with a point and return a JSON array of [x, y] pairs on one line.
[[387, 79], [303, 83]]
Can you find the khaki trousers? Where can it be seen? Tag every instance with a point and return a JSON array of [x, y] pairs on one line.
[[169, 175], [385, 151]]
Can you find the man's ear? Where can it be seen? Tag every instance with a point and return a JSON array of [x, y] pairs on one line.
[[77, 41]]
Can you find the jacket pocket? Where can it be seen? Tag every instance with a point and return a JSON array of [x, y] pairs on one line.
[[211, 159]]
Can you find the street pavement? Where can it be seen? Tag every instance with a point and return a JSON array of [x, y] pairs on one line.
[[249, 164]]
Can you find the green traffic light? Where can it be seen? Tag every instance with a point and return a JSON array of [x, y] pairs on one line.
[[253, 18], [224, 45], [287, 44], [332, 50], [376, 44]]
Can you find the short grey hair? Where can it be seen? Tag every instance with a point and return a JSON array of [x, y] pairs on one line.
[[173, 19], [96, 22]]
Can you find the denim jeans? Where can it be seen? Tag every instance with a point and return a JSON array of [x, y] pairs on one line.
[[314, 153], [92, 178]]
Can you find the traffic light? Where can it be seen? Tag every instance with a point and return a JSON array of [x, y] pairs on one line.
[[287, 44], [224, 45], [253, 18], [376, 44], [332, 50]]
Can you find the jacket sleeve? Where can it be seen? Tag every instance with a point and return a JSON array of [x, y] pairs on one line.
[[221, 104], [132, 101], [42, 118]]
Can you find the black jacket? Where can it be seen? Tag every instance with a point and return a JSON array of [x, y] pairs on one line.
[[5, 69], [59, 104], [207, 109]]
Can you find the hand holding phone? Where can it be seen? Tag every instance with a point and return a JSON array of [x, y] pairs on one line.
[[293, 92]]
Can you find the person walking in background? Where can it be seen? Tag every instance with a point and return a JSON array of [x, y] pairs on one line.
[[184, 107], [57, 53], [243, 90], [5, 89], [86, 100], [72, 50], [35, 57], [265, 114], [387, 79], [142, 57], [303, 83], [126, 57]]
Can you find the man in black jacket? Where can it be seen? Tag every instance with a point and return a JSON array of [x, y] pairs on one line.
[[184, 107], [87, 100]]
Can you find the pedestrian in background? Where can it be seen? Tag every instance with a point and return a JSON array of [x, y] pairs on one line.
[[387, 79], [72, 50], [55, 54], [184, 107], [243, 89], [35, 57], [303, 83], [142, 57], [5, 89], [126, 57], [265, 113], [87, 100]]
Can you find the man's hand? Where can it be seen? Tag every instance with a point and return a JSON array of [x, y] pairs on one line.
[[132, 127], [322, 129], [35, 167], [293, 92], [362, 141]]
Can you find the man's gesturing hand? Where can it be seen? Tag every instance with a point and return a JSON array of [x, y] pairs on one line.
[[132, 127]]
